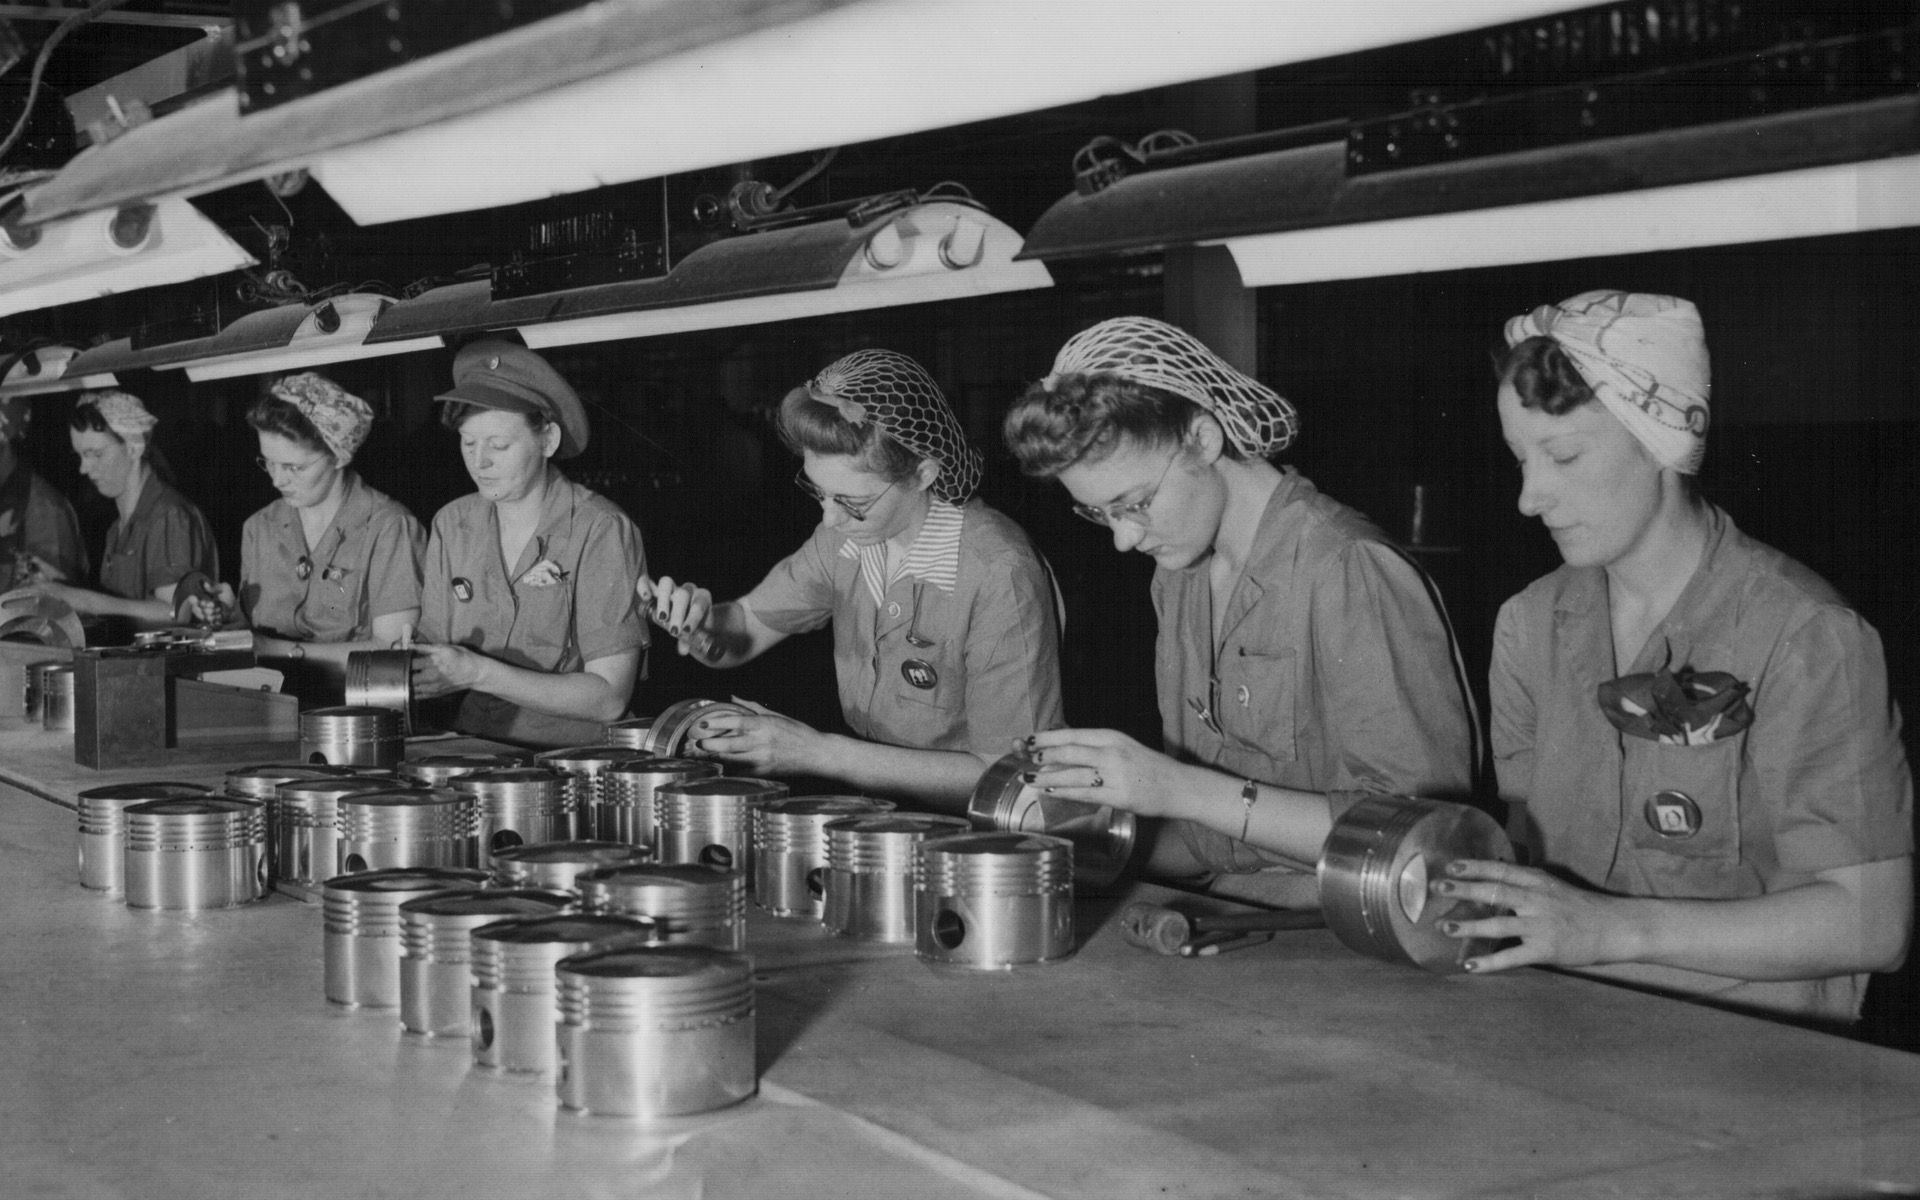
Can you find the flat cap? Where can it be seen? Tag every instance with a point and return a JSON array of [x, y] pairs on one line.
[[498, 374]]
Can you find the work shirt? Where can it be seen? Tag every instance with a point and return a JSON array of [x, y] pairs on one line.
[[961, 650], [35, 519], [164, 540], [366, 565], [568, 600], [1818, 780], [1335, 671]]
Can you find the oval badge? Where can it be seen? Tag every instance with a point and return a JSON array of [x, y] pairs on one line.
[[1673, 814], [462, 590], [920, 674]]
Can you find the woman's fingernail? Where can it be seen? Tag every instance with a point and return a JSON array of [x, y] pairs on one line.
[[1456, 867], [1444, 888], [1039, 756], [1450, 928], [1029, 776], [1472, 964], [703, 724]]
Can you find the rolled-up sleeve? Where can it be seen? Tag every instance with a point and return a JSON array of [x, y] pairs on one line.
[[1013, 658], [394, 564], [797, 595], [607, 619]]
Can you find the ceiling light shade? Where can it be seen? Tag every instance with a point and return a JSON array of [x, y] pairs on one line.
[[116, 250], [428, 137], [938, 250], [293, 337], [456, 311], [43, 369]]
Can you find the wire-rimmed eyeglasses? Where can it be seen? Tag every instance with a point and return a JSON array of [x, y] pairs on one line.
[[856, 507], [1139, 513]]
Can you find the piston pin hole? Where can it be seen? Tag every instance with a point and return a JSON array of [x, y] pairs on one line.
[[949, 929]]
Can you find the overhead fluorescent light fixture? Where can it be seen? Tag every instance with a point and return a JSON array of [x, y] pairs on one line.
[[117, 250], [937, 250], [457, 310], [43, 370], [296, 336]]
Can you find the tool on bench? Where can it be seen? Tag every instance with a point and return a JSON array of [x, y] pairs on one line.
[[1166, 930]]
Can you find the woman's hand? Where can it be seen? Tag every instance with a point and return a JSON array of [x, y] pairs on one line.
[[45, 570], [438, 670], [1556, 922], [763, 741], [215, 611], [1104, 766], [682, 609]]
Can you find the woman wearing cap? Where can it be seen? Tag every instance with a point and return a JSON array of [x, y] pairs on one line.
[[333, 566], [1302, 660], [944, 631], [1695, 728], [158, 538], [527, 604], [39, 533]]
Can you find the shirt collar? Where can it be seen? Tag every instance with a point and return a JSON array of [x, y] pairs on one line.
[[934, 555]]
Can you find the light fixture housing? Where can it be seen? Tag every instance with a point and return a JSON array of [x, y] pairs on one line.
[[457, 311], [293, 337], [116, 250], [42, 370], [934, 250]]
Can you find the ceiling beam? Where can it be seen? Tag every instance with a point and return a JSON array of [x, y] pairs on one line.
[[211, 22]]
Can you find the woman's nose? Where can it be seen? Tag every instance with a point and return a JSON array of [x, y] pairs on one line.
[[1533, 496], [1126, 535]]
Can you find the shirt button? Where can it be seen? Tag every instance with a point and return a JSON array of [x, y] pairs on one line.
[[893, 610], [1244, 696]]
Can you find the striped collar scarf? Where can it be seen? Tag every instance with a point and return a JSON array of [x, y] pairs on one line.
[[935, 556]]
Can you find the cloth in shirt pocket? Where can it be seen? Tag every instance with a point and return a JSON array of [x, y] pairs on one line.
[[543, 624], [1675, 788], [1255, 700]]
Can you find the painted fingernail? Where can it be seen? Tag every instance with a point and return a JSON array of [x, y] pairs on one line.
[[704, 724], [1047, 790], [1456, 867], [1444, 888], [1029, 776], [1450, 928], [1039, 756], [1472, 964]]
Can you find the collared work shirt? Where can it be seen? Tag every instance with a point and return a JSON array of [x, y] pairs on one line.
[[967, 669], [36, 519], [156, 547], [366, 565], [1334, 671], [567, 601], [1818, 781]]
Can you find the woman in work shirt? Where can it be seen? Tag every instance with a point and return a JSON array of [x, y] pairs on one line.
[[527, 603], [1302, 661], [945, 638]]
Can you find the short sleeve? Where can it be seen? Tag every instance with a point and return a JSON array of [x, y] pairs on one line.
[[436, 580], [178, 542], [394, 563], [797, 595], [252, 564], [606, 618], [53, 530], [1013, 657], [1511, 697]]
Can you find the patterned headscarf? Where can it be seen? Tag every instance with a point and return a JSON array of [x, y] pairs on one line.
[[341, 418], [125, 415], [898, 396], [1644, 356], [1255, 418]]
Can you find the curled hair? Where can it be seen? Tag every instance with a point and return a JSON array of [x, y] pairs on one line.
[[1543, 376], [1085, 417], [807, 424], [87, 418], [454, 414], [271, 414]]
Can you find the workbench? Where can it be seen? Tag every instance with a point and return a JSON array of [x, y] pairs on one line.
[[152, 1055]]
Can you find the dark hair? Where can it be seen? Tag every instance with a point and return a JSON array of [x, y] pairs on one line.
[[1543, 376], [282, 418], [808, 424], [1049, 429], [454, 414], [87, 418]]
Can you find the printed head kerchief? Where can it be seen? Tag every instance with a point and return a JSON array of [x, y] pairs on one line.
[[341, 418], [1644, 356], [1256, 419], [903, 401], [125, 415]]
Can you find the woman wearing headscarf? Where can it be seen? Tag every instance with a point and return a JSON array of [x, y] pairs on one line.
[[333, 565], [39, 533], [1302, 661], [158, 538], [527, 605], [945, 638], [1695, 728]]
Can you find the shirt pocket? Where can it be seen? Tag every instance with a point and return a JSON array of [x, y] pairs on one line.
[[543, 622], [1254, 703], [1684, 801], [900, 671]]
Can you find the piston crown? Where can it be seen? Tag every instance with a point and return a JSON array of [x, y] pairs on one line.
[[563, 927]]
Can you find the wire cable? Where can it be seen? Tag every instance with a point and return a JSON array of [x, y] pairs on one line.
[[40, 64]]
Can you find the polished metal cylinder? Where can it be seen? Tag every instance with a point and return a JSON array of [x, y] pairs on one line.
[[790, 850], [360, 917], [558, 865], [382, 679], [869, 881], [626, 794], [196, 852], [1374, 871], [56, 698], [586, 766], [261, 782], [655, 1031], [33, 699], [440, 770], [436, 951], [406, 827], [676, 727], [993, 901], [691, 904], [302, 826], [103, 827], [1102, 837], [518, 806], [710, 821], [513, 993], [352, 735], [631, 732]]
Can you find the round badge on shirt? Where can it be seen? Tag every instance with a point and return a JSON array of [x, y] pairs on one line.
[[462, 589], [1673, 815], [920, 674]]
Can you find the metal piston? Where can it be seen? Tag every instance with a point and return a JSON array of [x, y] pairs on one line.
[[352, 736], [559, 865], [406, 827], [361, 928], [303, 836], [436, 951], [790, 850], [103, 827], [440, 770], [56, 698], [586, 768], [993, 901], [691, 904], [869, 883], [382, 679], [710, 821], [195, 853], [655, 1031], [1102, 836], [674, 727], [631, 732], [33, 697], [513, 992], [519, 806], [627, 790]]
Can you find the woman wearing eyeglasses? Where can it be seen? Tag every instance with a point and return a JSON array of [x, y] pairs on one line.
[[333, 565], [1302, 660], [945, 641]]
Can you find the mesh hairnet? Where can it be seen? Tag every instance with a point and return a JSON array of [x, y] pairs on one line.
[[1256, 419], [904, 402]]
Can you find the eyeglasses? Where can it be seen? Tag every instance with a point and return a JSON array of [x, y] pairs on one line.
[[1138, 514], [277, 469], [856, 507]]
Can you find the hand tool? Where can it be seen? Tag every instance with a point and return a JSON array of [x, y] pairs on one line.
[[1166, 930]]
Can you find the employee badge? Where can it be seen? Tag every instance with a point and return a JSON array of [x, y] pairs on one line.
[[920, 673], [1673, 815], [462, 589]]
